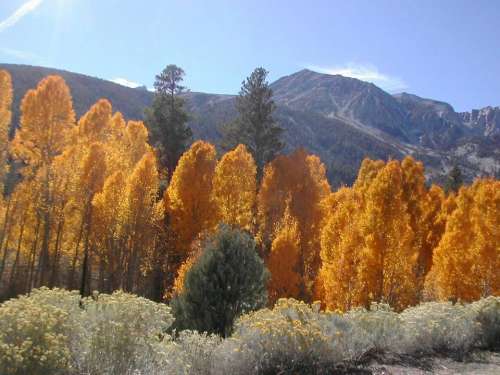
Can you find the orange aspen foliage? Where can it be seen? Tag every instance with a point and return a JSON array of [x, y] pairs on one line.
[[143, 215], [283, 261], [92, 177], [5, 119], [178, 287], [47, 118], [467, 259], [341, 244], [21, 229], [414, 194], [367, 173], [300, 179], [94, 126], [388, 257], [188, 199], [433, 225], [486, 219], [109, 222], [136, 141], [234, 188], [93, 171]]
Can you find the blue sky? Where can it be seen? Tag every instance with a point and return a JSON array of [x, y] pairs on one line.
[[446, 50]]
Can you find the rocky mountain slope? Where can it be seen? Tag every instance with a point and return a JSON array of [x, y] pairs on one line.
[[341, 119], [485, 120]]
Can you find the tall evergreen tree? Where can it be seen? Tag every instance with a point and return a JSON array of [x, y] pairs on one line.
[[454, 180], [255, 126], [167, 118], [228, 279]]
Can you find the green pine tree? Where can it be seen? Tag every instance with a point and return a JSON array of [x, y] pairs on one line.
[[167, 117], [228, 279], [255, 126], [454, 180]]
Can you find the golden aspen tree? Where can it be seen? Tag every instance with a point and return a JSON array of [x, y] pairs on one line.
[[341, 245], [24, 200], [5, 119], [188, 199], [47, 118], [136, 141], [109, 221], [467, 259], [118, 155], [92, 177], [414, 194], [433, 225], [448, 205], [301, 179], [388, 258], [65, 186], [486, 219], [143, 215], [283, 261], [234, 188], [117, 129], [423, 207], [367, 172], [94, 126]]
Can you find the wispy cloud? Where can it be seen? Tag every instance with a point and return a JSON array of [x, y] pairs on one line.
[[20, 12], [365, 72], [126, 82]]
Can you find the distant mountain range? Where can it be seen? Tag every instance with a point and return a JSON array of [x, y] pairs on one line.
[[340, 119]]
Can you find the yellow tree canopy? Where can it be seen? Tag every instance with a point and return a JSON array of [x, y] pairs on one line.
[[367, 173], [93, 170], [467, 259], [388, 261], [47, 118], [300, 180], [94, 126], [284, 260], [188, 199], [341, 248], [234, 188]]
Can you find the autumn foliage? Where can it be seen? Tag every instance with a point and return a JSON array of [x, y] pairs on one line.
[[91, 209]]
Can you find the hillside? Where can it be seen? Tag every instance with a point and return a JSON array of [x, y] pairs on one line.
[[341, 119]]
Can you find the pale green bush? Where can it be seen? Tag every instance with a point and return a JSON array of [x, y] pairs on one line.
[[381, 325], [487, 312], [49, 332], [349, 340], [122, 334], [190, 353], [38, 332], [439, 327], [293, 337]]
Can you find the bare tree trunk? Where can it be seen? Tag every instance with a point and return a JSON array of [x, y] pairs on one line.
[[86, 268], [71, 278], [57, 254], [31, 261], [5, 221], [131, 264], [100, 285], [13, 273], [43, 263]]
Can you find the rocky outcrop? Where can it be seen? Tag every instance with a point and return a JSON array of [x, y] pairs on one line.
[[486, 120], [433, 124]]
